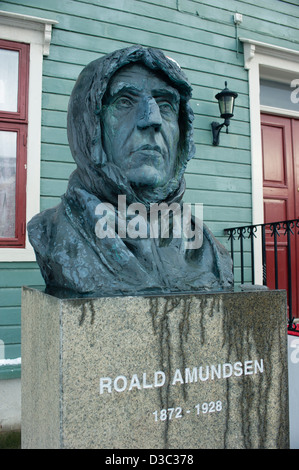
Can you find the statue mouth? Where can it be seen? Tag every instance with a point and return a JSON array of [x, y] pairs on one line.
[[150, 148], [149, 151]]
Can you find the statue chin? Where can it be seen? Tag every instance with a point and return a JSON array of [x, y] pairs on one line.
[[146, 177]]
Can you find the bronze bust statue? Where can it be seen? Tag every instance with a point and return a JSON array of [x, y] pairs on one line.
[[130, 133]]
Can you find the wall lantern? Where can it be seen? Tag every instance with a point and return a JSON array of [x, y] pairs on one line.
[[226, 101]]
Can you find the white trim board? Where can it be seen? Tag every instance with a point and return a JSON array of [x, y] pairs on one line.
[[260, 59]]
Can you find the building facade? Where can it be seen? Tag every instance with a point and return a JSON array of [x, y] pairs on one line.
[[252, 45]]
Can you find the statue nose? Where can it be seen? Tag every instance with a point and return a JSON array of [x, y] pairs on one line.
[[149, 115]]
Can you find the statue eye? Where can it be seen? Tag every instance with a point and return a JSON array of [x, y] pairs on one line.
[[166, 107], [123, 103]]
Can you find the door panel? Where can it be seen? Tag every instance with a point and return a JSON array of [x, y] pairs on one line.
[[295, 131], [280, 147], [273, 146]]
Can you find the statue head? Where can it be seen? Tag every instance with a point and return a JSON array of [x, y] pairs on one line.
[[130, 133], [140, 129], [130, 124]]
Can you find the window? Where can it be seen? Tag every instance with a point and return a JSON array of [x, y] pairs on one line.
[[278, 94], [21, 36], [14, 66]]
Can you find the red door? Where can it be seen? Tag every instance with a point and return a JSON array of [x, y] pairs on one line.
[[280, 147]]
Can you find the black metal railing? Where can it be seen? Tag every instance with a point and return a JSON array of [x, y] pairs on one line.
[[271, 235]]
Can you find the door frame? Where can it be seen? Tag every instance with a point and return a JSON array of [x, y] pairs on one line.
[[264, 60]]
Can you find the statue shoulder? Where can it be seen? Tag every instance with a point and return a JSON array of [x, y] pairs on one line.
[[222, 259], [42, 227]]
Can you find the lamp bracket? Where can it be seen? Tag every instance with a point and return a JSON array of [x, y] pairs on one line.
[[216, 128]]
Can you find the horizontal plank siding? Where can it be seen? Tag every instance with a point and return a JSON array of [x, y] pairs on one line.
[[201, 36], [19, 277], [10, 316], [11, 335], [53, 152], [11, 297], [57, 170]]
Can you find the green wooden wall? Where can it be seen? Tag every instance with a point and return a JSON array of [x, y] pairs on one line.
[[201, 36]]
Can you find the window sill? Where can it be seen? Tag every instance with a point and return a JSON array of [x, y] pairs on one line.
[[17, 254]]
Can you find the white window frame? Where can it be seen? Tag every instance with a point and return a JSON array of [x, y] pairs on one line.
[[36, 32], [283, 64]]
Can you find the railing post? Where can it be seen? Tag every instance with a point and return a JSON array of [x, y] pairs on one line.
[[251, 230], [287, 225], [275, 227], [264, 259], [231, 238], [241, 236]]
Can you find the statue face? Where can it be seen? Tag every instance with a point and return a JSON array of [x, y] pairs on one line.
[[140, 126]]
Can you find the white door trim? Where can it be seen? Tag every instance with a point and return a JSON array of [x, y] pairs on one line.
[[260, 59]]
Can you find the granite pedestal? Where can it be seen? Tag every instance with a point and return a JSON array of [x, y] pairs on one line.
[[204, 371]]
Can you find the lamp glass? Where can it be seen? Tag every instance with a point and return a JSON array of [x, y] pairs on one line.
[[226, 106]]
